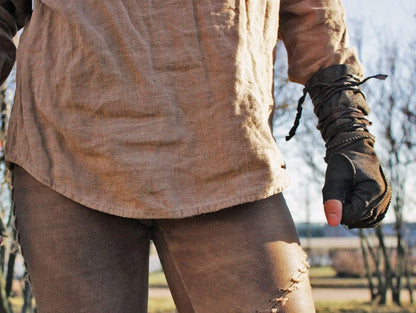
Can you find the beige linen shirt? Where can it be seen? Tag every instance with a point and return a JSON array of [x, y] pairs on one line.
[[158, 108]]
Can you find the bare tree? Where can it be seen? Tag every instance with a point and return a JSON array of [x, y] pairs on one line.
[[394, 115], [393, 102], [9, 250]]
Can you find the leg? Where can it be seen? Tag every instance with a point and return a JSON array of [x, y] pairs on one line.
[[236, 260], [78, 259]]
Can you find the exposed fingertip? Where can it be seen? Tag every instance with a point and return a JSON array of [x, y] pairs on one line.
[[333, 219], [333, 212]]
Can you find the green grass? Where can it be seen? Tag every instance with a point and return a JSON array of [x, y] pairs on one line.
[[166, 305], [320, 277], [161, 305], [322, 272], [17, 303], [157, 279], [360, 307], [323, 276]]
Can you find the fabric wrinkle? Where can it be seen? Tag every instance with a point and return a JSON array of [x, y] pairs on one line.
[[159, 110]]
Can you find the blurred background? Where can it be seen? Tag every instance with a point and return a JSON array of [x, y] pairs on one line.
[[352, 270]]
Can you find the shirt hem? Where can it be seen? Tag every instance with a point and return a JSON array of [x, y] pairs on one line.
[[259, 194]]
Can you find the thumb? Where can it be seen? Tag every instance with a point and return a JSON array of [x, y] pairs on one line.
[[333, 211]]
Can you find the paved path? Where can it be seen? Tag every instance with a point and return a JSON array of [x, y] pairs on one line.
[[319, 294], [341, 294]]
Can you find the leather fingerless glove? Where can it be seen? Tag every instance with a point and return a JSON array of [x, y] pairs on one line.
[[354, 174]]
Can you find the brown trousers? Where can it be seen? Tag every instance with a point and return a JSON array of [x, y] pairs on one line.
[[244, 259]]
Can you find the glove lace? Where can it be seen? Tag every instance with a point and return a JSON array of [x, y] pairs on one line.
[[328, 90]]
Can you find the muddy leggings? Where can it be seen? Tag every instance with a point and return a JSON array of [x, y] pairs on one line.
[[244, 259]]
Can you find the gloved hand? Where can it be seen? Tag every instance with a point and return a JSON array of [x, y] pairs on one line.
[[354, 180], [355, 177]]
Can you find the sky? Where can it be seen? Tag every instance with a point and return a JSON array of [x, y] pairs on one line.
[[398, 14], [397, 19]]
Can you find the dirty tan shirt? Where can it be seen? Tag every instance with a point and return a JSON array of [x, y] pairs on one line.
[[158, 108]]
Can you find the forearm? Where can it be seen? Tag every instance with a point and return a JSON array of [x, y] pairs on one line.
[[315, 35], [13, 16], [354, 174]]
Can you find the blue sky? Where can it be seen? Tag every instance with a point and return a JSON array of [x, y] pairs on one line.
[[397, 18]]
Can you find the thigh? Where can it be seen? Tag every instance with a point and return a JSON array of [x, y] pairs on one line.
[[78, 259], [244, 259]]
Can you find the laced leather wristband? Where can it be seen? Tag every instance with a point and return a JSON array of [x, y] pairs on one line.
[[354, 175]]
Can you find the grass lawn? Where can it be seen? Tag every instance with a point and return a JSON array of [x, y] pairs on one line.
[[166, 305], [360, 307], [323, 277], [319, 277], [161, 305], [157, 279]]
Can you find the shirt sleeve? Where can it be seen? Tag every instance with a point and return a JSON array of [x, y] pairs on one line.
[[315, 36], [13, 16]]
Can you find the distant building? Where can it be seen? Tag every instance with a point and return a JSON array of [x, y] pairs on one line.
[[327, 245], [324, 230]]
